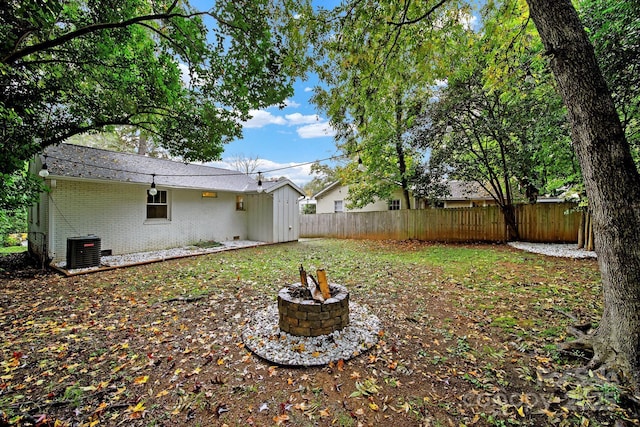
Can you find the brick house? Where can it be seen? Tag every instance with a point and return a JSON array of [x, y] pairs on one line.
[[106, 194]]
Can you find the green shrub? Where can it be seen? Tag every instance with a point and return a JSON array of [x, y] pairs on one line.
[[11, 223], [12, 240]]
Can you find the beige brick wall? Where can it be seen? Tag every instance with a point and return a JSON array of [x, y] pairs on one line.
[[116, 212]]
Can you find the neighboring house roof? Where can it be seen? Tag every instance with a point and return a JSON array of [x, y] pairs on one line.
[[463, 190], [459, 190], [271, 186], [75, 161], [327, 189]]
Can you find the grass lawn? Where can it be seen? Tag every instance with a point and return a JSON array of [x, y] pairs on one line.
[[12, 249], [469, 338]]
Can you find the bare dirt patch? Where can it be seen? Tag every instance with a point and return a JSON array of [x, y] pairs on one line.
[[469, 337]]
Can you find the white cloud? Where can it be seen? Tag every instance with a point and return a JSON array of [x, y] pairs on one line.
[[468, 21], [299, 119], [316, 130], [261, 118], [291, 103], [306, 125], [298, 174], [308, 89], [184, 74], [441, 83], [188, 79]]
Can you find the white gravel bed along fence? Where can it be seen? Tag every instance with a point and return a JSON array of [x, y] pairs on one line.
[[563, 250]]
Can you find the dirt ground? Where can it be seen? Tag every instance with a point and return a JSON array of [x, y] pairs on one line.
[[469, 338]]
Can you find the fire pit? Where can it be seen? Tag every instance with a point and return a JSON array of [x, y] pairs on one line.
[[301, 315], [311, 325]]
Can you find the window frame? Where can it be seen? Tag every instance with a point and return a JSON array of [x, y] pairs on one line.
[[395, 205], [335, 206], [156, 201]]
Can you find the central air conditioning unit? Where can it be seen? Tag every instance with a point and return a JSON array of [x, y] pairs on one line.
[[83, 252]]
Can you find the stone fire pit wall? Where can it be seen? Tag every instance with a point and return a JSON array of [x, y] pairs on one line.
[[311, 318]]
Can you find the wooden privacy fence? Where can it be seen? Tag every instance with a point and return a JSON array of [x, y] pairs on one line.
[[542, 222]]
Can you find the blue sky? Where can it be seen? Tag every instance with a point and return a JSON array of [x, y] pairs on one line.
[[284, 138]]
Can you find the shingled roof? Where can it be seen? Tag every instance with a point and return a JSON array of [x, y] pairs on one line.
[[465, 190], [75, 161]]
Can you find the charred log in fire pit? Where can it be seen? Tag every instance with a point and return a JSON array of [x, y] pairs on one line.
[[312, 310]]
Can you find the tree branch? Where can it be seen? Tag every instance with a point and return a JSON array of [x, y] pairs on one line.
[[420, 18], [21, 53], [164, 36]]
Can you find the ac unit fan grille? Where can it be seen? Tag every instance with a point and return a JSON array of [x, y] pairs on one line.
[[83, 252]]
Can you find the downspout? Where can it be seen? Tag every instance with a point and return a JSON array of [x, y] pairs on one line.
[[51, 231]]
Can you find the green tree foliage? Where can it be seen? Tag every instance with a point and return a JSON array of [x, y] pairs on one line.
[[12, 222], [126, 139], [323, 175], [309, 209], [73, 67], [614, 29], [498, 121], [18, 189], [375, 84]]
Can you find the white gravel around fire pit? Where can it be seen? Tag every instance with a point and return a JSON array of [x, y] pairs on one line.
[[263, 336]]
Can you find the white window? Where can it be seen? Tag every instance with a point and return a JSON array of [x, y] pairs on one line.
[[337, 206], [157, 206], [394, 205]]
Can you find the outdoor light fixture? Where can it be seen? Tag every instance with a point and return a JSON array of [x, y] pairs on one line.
[[361, 166], [44, 172], [152, 190], [260, 189]]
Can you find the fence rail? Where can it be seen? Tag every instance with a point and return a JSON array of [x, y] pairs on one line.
[[542, 222]]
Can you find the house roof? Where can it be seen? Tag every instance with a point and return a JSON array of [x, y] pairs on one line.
[[75, 161], [327, 189], [464, 190], [459, 190], [271, 186]]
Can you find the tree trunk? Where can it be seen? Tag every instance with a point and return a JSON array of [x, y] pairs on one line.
[[581, 228], [611, 180], [142, 144], [509, 213], [402, 163], [587, 227], [585, 238], [588, 238]]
